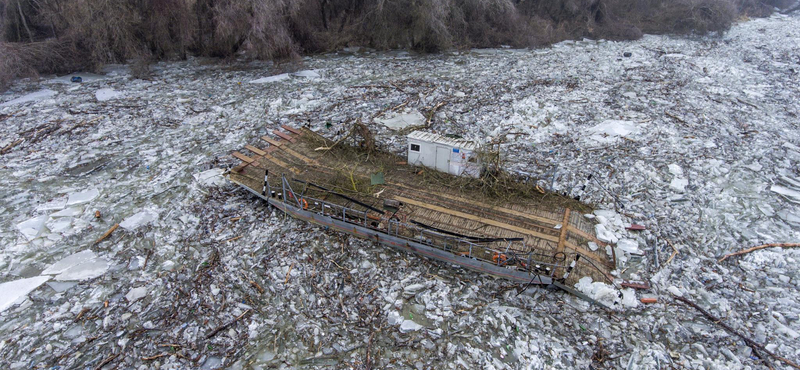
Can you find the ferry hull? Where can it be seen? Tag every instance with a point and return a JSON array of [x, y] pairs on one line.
[[404, 244]]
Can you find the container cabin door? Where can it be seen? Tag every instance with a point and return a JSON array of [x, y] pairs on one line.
[[443, 158]]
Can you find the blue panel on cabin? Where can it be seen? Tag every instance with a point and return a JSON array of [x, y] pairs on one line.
[[455, 150]]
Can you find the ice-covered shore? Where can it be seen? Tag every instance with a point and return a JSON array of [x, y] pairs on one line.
[[696, 139]]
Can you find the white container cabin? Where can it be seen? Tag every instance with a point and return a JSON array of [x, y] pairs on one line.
[[454, 156]]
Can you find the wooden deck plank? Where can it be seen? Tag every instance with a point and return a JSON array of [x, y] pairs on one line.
[[283, 135], [243, 157], [255, 150], [271, 141], [240, 167], [291, 129]]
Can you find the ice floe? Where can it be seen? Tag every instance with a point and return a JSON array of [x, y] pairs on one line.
[[12, 291], [35, 96]]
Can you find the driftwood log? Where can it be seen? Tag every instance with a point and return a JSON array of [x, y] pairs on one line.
[[763, 246], [757, 348]]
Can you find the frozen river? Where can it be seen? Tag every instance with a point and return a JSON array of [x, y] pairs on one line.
[[696, 139]]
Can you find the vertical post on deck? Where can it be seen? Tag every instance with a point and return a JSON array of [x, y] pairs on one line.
[[562, 239], [283, 187], [266, 183]]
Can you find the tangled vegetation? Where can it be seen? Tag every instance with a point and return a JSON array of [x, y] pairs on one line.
[[64, 35]]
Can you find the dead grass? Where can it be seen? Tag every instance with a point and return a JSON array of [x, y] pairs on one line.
[[352, 167]]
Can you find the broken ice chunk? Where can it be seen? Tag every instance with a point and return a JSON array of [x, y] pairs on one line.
[[59, 225], [629, 298], [675, 291], [610, 131], [32, 228], [136, 294], [628, 245], [790, 194], [68, 212], [675, 170], [678, 184], [82, 197], [53, 205], [394, 318], [39, 95], [69, 261], [87, 270], [60, 287], [399, 121], [604, 234], [107, 94], [413, 289], [210, 177], [309, 73], [269, 79], [409, 326], [140, 219], [12, 291]]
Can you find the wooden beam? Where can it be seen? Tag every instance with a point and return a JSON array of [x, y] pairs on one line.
[[562, 239], [240, 167], [283, 136], [291, 129], [271, 141], [243, 157], [255, 150]]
